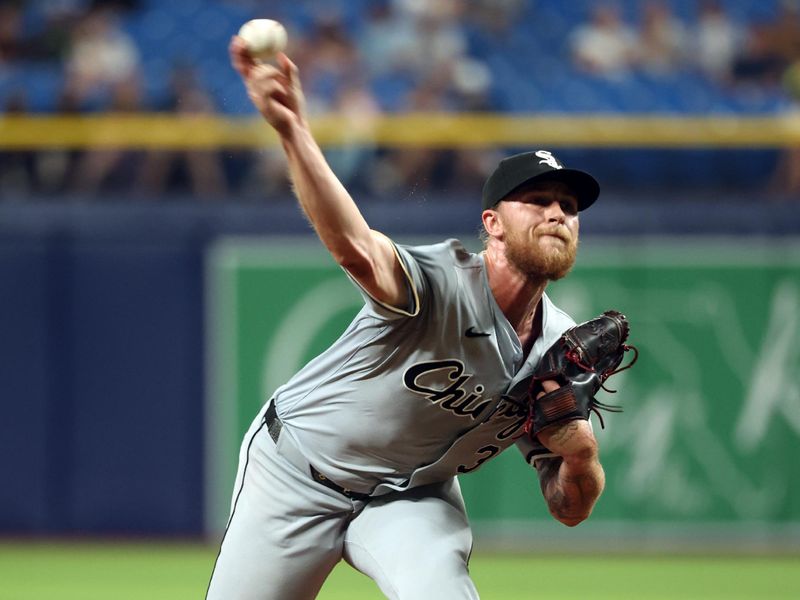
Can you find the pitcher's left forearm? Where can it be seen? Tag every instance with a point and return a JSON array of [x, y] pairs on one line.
[[570, 489], [571, 483]]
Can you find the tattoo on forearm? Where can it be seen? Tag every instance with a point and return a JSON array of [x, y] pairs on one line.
[[566, 433]]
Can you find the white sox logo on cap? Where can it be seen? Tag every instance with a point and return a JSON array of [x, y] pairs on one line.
[[549, 159], [540, 165]]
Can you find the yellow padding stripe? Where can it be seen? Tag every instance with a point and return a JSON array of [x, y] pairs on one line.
[[440, 130]]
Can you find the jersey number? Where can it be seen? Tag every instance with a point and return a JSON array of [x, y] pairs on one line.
[[487, 452]]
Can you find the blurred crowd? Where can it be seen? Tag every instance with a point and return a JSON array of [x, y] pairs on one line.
[[714, 45], [382, 56]]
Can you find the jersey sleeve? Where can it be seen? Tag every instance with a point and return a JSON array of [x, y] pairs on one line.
[[429, 271], [414, 285]]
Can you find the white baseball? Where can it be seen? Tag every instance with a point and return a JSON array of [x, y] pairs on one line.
[[264, 38]]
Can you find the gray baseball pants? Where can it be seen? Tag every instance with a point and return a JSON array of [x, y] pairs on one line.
[[287, 532]]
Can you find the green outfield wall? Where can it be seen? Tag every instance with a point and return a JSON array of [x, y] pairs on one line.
[[707, 445]]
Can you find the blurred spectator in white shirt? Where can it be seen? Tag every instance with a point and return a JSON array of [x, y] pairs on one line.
[[101, 54], [439, 38], [716, 41], [605, 45], [387, 42], [662, 39]]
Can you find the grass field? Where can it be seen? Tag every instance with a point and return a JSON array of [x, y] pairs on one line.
[[127, 571]]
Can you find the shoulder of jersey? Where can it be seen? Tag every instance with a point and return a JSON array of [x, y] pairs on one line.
[[558, 317], [452, 248], [461, 256]]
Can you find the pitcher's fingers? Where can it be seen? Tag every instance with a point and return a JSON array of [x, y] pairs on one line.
[[267, 89], [262, 72], [240, 56], [277, 111], [289, 68]]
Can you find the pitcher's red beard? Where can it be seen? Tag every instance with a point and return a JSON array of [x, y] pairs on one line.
[[549, 259]]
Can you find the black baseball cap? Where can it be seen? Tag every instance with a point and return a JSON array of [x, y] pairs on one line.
[[539, 165]]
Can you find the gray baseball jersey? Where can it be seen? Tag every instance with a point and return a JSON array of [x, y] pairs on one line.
[[399, 405], [398, 402]]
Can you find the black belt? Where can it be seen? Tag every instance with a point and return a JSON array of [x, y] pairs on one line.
[[274, 426]]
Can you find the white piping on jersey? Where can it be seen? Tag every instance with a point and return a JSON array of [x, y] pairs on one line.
[[411, 285]]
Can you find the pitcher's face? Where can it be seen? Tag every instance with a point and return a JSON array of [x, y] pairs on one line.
[[540, 224]]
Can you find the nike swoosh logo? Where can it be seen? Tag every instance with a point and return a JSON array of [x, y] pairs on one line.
[[472, 333]]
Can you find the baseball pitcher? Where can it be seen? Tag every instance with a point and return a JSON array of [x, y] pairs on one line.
[[454, 357]]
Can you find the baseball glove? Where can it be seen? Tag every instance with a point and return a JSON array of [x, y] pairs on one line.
[[580, 361]]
